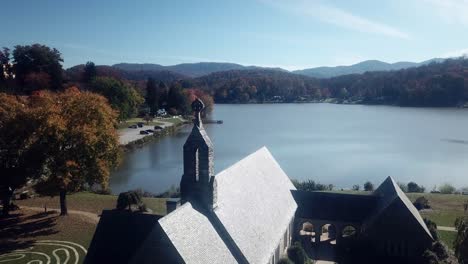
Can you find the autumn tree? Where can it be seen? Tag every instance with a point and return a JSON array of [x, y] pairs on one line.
[[37, 67], [122, 96], [79, 139], [21, 155], [206, 98], [89, 72]]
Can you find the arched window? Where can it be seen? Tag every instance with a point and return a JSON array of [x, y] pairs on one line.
[[349, 231], [328, 234]]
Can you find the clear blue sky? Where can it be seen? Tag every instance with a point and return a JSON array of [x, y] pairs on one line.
[[287, 33]]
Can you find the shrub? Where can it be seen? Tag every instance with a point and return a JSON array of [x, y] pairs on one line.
[[413, 187], [440, 250], [421, 203], [430, 257], [446, 189], [432, 226], [356, 187], [403, 187], [127, 199], [172, 192], [297, 254], [368, 186], [285, 261], [461, 240], [310, 186]]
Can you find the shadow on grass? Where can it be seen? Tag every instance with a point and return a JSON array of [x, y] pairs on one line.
[[19, 231]]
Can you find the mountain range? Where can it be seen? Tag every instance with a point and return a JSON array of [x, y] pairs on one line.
[[194, 70]]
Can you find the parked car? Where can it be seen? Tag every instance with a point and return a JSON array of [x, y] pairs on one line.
[[144, 132], [150, 130], [140, 124], [158, 127], [133, 126]]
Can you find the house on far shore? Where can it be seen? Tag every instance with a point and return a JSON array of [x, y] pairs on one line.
[[251, 213]]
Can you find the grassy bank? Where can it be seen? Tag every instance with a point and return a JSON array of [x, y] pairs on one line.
[[29, 228], [445, 208], [91, 202]]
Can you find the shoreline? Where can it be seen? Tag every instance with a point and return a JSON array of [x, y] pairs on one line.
[[140, 142]]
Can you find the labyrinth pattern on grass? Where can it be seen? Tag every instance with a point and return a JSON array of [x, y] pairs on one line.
[[52, 252]]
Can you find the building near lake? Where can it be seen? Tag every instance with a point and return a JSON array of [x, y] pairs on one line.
[[251, 213]]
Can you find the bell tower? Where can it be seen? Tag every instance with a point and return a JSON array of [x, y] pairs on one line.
[[197, 181]]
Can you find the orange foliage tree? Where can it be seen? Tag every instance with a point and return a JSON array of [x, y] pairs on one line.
[[80, 140], [75, 132], [202, 95]]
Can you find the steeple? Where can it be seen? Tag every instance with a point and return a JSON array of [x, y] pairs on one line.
[[197, 181]]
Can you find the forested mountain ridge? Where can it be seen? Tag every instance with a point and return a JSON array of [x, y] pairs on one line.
[[434, 84], [361, 67], [186, 69]]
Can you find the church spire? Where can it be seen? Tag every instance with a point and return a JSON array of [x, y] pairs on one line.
[[198, 179]]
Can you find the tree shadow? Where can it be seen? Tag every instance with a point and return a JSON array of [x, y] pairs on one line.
[[18, 231]]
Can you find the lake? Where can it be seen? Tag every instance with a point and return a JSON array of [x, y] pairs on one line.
[[334, 144]]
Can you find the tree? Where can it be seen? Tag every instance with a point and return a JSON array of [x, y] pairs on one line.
[[21, 156], [446, 189], [37, 59], [368, 186], [127, 199], [79, 140], [413, 187], [152, 96], [6, 71], [356, 187], [461, 240], [178, 100], [122, 96], [90, 72]]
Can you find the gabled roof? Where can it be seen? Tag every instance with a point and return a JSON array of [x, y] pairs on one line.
[[389, 192], [199, 134], [334, 206], [194, 237], [123, 236], [254, 204]]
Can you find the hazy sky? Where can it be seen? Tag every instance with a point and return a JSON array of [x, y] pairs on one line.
[[291, 34]]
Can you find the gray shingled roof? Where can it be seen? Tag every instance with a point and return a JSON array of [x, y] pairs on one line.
[[389, 191], [334, 206], [255, 205], [194, 237]]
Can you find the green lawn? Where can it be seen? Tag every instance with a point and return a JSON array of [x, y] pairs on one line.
[[28, 229], [447, 237], [91, 202], [445, 207]]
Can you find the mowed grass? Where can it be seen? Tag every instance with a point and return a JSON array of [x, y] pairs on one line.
[[447, 237], [28, 229], [91, 202], [445, 208]]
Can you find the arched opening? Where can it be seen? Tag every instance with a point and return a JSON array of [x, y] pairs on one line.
[[328, 234], [349, 232], [307, 229]]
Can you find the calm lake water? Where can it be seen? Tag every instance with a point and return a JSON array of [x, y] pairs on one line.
[[338, 144]]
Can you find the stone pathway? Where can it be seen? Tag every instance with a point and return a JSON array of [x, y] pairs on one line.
[[447, 228]]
